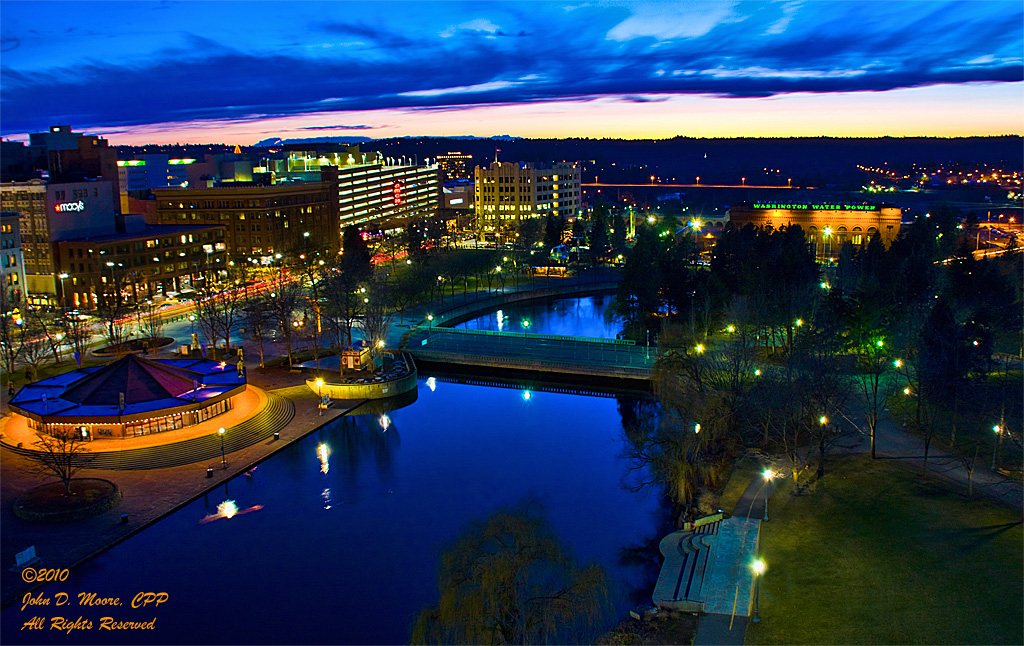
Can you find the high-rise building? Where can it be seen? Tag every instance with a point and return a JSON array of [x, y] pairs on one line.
[[12, 261], [455, 166], [507, 192]]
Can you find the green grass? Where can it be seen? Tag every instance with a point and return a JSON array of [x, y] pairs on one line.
[[874, 555]]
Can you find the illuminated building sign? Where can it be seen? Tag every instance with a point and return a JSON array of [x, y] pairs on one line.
[[181, 161], [397, 191], [132, 162], [65, 207], [818, 207], [457, 201]]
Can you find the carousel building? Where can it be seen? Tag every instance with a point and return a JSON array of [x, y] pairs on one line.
[[130, 397]]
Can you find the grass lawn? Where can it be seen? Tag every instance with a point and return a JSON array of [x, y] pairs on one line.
[[874, 555]]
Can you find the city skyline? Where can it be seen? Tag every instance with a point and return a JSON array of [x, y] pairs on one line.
[[207, 72]]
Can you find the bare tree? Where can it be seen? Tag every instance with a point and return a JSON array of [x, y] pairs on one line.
[[282, 306], [258, 320], [150, 322], [12, 334], [873, 383], [35, 349], [377, 315], [114, 312], [61, 454], [77, 332], [344, 302], [218, 315]]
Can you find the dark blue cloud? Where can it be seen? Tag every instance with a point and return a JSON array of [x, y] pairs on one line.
[[525, 55]]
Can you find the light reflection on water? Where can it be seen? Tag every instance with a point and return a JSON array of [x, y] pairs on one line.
[[400, 487]]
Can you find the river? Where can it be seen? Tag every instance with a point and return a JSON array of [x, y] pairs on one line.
[[342, 544]]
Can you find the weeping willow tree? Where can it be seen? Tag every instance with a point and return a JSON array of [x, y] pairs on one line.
[[508, 581]]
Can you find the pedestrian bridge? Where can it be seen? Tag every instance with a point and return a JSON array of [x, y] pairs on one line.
[[537, 352]]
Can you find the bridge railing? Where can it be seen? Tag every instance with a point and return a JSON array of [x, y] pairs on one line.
[[521, 335]]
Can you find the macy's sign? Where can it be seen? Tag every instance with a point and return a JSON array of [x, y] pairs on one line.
[[69, 206]]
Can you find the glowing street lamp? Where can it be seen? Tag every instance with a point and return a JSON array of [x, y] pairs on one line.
[[758, 567], [320, 394], [768, 475], [63, 288], [526, 325], [998, 430], [223, 457]]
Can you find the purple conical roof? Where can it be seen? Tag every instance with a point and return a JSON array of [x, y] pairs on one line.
[[141, 380]]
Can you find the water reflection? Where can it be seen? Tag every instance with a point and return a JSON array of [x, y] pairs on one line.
[[589, 316], [323, 453], [355, 441], [340, 544], [228, 509]]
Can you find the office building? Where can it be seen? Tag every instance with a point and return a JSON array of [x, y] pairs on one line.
[[142, 263], [507, 192], [260, 220], [455, 166]]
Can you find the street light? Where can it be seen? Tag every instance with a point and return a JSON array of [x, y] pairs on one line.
[[526, 325], [998, 430], [768, 475], [223, 458], [63, 288], [320, 394], [758, 567]]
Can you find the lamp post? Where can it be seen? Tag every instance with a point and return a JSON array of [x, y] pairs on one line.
[[998, 430], [648, 344], [320, 394], [758, 567], [768, 475], [223, 458], [526, 325], [63, 288]]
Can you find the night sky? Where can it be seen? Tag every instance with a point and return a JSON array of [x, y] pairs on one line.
[[240, 72]]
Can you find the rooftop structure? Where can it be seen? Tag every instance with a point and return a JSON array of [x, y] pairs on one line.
[[129, 397]]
